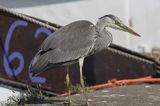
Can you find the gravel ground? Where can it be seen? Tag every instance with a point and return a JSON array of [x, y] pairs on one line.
[[129, 95]]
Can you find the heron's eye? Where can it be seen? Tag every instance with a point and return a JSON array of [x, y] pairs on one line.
[[110, 20], [117, 23]]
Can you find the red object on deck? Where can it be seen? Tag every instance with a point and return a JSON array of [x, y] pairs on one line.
[[114, 83]]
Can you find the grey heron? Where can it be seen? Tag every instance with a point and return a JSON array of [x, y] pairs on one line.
[[75, 41]]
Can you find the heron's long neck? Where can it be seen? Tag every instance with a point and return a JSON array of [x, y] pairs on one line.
[[101, 25]]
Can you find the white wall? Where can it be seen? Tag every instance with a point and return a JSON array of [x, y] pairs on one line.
[[146, 20]]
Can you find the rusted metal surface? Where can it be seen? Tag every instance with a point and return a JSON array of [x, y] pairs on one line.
[[22, 35], [107, 65]]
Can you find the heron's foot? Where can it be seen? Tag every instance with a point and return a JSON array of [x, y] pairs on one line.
[[87, 104], [71, 103]]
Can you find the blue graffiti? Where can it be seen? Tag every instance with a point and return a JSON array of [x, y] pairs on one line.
[[14, 55], [36, 79], [42, 30], [37, 33], [8, 58]]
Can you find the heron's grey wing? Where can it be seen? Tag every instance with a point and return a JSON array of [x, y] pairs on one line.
[[39, 62], [66, 44], [71, 42]]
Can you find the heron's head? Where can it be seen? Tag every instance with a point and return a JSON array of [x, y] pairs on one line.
[[115, 23]]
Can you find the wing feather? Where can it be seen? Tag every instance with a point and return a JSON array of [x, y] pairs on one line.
[[70, 42]]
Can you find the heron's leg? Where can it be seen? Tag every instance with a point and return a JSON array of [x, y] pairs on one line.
[[68, 87], [68, 84], [81, 60]]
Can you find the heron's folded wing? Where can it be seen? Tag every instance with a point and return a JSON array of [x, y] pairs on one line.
[[70, 42]]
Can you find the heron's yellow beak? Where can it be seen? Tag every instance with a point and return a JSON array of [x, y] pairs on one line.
[[127, 29]]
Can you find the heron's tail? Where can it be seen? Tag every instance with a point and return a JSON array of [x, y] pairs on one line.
[[39, 63]]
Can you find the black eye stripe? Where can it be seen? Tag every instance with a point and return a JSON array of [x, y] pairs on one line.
[[109, 15], [103, 16], [115, 19]]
